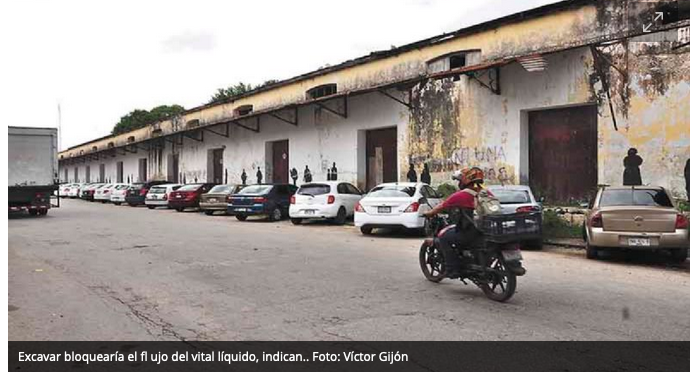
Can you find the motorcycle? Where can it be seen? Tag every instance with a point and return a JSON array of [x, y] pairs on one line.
[[492, 262]]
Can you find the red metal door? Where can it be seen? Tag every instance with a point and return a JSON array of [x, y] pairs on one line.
[[563, 153], [281, 160], [382, 156]]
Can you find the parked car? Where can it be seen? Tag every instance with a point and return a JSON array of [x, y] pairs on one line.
[[398, 204], [118, 193], [188, 196], [88, 192], [324, 200], [65, 189], [520, 199], [102, 193], [158, 195], [216, 200], [635, 218], [136, 194], [270, 200], [73, 191]]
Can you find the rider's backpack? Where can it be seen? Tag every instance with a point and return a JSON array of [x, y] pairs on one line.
[[485, 204]]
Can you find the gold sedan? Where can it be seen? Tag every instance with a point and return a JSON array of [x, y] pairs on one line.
[[636, 218]]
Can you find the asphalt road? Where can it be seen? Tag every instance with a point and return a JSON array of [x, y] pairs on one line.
[[101, 272]]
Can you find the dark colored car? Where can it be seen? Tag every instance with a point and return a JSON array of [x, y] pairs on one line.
[[272, 200], [136, 195], [188, 196], [87, 192]]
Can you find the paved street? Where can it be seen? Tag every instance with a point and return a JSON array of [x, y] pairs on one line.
[[101, 272]]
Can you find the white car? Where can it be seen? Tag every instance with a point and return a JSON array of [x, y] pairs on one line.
[[75, 189], [65, 189], [399, 204], [118, 193], [158, 195], [332, 200], [102, 193]]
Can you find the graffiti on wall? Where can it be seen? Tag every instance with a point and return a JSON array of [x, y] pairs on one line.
[[491, 159]]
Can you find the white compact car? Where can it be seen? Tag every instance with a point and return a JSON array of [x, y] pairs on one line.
[[324, 200], [102, 194], [73, 191], [65, 189], [118, 193], [399, 204], [158, 195]]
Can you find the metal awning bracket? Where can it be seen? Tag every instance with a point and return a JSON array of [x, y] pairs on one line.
[[341, 114], [226, 134], [396, 99], [292, 122], [494, 84]]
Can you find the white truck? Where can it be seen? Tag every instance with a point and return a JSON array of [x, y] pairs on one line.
[[32, 169]]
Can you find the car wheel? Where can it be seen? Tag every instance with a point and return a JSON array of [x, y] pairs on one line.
[[241, 217], [117, 203], [103, 201], [276, 215], [179, 209], [679, 255], [341, 217], [296, 221], [366, 230], [33, 212], [131, 205], [592, 252], [151, 206], [43, 212], [209, 213]]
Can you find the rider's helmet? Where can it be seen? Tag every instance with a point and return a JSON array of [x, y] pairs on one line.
[[469, 176]]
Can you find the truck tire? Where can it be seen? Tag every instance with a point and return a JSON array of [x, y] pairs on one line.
[[33, 212], [43, 212]]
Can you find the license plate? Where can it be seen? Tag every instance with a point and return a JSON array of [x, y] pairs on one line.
[[639, 242], [514, 255], [178, 196], [384, 209], [309, 211], [212, 200], [241, 209]]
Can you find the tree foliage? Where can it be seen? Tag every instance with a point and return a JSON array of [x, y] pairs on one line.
[[238, 89], [140, 118]]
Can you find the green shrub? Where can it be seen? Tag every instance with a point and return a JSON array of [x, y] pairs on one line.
[[684, 206], [556, 227], [446, 189]]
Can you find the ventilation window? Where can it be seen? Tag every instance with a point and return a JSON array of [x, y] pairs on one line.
[[111, 145], [81, 152], [156, 132], [62, 157], [322, 91], [130, 139], [457, 61], [94, 148], [244, 110]]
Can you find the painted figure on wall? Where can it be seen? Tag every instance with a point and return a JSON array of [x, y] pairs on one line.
[[334, 173], [412, 174], [259, 175], [243, 177], [687, 179], [294, 176], [426, 176], [307, 174], [631, 174], [328, 174]]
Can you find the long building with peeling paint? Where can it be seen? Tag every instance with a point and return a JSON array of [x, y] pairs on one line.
[[552, 97]]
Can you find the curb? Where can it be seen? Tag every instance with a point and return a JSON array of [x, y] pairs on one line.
[[565, 244]]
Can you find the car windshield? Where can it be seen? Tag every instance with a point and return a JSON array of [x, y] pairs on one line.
[[511, 196], [392, 191], [157, 190], [637, 197], [220, 189], [189, 188], [256, 190], [314, 189], [136, 186]]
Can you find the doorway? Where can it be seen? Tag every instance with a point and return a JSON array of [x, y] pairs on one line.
[[143, 167], [87, 175], [381, 156], [563, 153], [174, 168], [215, 166], [101, 173], [119, 174], [281, 161]]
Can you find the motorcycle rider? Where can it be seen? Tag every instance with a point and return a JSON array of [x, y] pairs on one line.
[[462, 203]]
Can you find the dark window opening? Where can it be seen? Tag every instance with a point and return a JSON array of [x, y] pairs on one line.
[[94, 148], [192, 123], [130, 139], [457, 61], [111, 145], [322, 91], [244, 110]]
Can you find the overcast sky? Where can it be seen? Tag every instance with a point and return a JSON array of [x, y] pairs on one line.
[[100, 59]]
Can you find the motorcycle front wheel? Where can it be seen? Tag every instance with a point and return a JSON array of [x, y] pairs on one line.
[[431, 261], [501, 283]]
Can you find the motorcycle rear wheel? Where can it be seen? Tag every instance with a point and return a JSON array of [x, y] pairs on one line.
[[431, 261], [500, 287]]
